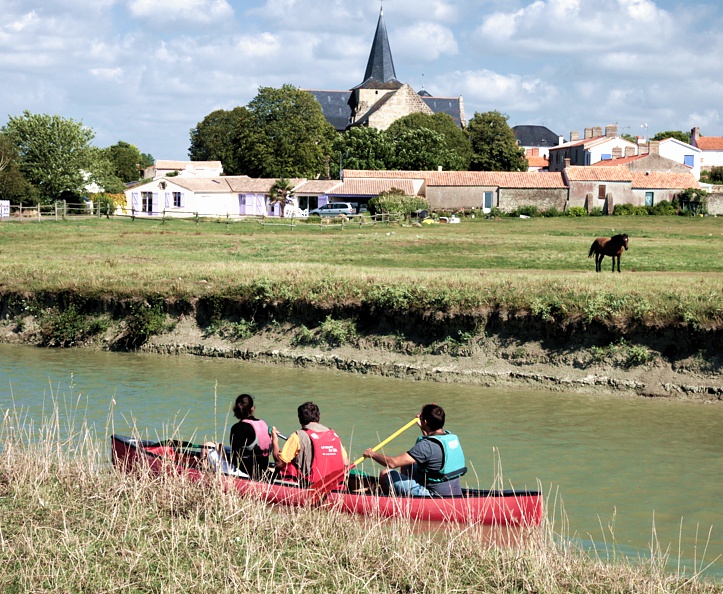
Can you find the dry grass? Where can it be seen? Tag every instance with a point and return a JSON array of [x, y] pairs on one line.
[[70, 523]]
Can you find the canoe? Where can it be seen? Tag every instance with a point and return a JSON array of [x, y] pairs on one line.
[[490, 507]]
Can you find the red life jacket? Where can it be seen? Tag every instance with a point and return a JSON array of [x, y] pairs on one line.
[[327, 458], [262, 443]]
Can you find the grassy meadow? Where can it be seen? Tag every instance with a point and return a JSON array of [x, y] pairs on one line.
[[672, 273]]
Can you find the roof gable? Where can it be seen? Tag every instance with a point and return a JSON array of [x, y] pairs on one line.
[[380, 66], [710, 143], [617, 173]]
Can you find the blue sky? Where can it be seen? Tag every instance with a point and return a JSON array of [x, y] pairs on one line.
[[147, 71]]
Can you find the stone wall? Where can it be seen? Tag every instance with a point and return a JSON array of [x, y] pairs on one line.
[[458, 197], [715, 201], [544, 199]]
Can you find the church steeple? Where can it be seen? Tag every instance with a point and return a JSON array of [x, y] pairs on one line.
[[380, 67]]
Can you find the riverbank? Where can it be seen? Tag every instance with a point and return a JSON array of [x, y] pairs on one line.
[[501, 360]]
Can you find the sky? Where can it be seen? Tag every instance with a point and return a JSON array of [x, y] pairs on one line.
[[147, 71]]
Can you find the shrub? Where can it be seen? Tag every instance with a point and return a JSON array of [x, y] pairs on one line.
[[662, 208], [304, 337], [552, 212], [527, 210], [338, 332], [629, 209], [596, 212], [396, 201], [143, 322], [68, 327], [576, 211]]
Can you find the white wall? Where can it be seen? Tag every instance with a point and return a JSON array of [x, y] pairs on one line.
[[675, 150]]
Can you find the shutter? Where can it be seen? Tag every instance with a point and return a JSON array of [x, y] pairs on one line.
[[168, 200], [689, 160], [183, 200], [154, 204], [134, 201]]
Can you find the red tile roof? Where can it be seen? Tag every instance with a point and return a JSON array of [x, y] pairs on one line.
[[498, 179], [386, 174], [373, 187], [710, 143], [537, 161], [657, 180], [618, 173], [619, 161]]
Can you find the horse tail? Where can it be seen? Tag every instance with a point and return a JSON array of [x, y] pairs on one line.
[[592, 249]]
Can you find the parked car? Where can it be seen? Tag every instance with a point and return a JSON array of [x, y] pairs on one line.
[[334, 209]]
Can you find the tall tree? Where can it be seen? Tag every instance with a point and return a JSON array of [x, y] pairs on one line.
[[494, 144], [13, 185], [422, 149], [361, 148], [99, 170], [677, 134], [284, 135], [126, 160], [212, 138], [52, 151], [455, 139]]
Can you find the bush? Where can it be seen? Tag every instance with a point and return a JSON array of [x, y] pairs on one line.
[[527, 210], [662, 208], [576, 211], [143, 322], [630, 210], [596, 212], [68, 327], [338, 332], [552, 212], [396, 201]]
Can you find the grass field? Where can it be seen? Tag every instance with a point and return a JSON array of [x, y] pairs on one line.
[[672, 273]]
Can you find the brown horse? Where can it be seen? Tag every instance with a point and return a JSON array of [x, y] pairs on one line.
[[604, 246]]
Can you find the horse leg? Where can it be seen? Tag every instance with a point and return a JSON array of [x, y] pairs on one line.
[[598, 262], [618, 262]]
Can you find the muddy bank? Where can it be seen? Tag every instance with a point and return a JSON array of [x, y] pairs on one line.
[[490, 348]]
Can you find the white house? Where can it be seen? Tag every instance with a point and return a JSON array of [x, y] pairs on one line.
[[681, 152], [593, 148], [711, 148], [163, 167]]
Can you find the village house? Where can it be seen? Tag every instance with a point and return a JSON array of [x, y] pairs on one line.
[[592, 148], [711, 148], [164, 168]]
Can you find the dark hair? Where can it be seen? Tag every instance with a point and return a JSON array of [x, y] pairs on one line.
[[244, 405], [433, 415], [308, 413]]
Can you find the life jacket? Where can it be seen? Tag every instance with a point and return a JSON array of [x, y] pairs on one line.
[[262, 443], [327, 458], [453, 462]]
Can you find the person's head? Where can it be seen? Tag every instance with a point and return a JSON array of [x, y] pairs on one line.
[[433, 416], [244, 406], [308, 413]]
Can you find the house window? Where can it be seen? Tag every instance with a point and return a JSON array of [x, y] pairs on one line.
[[147, 201], [177, 199], [649, 196], [488, 199], [601, 191], [606, 157], [689, 160]]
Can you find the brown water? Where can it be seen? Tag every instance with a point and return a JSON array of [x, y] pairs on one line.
[[623, 467]]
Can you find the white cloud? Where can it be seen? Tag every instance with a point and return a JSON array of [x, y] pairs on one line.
[[425, 40], [197, 11]]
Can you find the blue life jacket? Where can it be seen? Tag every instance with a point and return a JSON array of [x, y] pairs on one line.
[[453, 462]]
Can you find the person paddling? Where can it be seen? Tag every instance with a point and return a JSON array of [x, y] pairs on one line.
[[250, 440], [431, 467], [311, 453]]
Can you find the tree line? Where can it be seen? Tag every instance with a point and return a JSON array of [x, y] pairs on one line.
[[45, 158], [282, 132]]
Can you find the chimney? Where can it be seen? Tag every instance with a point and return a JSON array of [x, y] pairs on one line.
[[535, 152], [561, 139], [574, 136], [617, 152], [611, 131], [597, 131], [567, 162], [695, 135], [654, 147], [588, 133], [629, 151]]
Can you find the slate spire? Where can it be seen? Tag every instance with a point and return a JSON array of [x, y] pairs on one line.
[[380, 66]]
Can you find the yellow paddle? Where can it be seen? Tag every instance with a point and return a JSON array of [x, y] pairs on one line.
[[325, 484]]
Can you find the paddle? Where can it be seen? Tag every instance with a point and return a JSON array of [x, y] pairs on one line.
[[325, 484]]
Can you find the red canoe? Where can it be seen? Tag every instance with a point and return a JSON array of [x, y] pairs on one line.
[[511, 508]]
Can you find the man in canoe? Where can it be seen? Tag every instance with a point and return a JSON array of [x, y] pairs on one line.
[[311, 453], [431, 467]]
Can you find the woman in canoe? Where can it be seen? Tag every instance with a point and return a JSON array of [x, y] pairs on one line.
[[250, 440]]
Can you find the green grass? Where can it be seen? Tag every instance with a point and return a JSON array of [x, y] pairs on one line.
[[672, 273]]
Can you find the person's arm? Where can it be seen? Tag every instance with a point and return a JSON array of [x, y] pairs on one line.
[[389, 461]]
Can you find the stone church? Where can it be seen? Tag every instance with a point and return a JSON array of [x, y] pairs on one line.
[[380, 98]]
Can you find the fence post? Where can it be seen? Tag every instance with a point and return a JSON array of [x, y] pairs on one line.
[[65, 209], [55, 204], [133, 213], [39, 207], [196, 213], [21, 212]]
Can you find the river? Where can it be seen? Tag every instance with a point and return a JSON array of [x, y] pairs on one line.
[[621, 466]]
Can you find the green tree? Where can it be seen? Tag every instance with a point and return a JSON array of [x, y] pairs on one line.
[[280, 193], [284, 135], [361, 148], [101, 170], [13, 185], [126, 160], [455, 139], [212, 138], [494, 144], [422, 149], [52, 151], [677, 134]]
